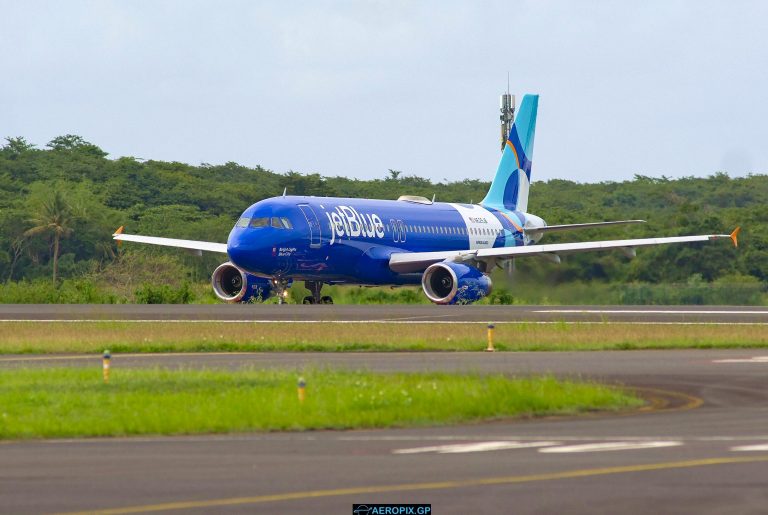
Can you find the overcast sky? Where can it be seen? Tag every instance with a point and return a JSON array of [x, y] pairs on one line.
[[353, 88]]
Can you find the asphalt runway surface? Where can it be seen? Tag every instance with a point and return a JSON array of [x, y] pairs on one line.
[[386, 314], [700, 447]]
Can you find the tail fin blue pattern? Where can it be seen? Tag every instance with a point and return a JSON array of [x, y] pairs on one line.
[[509, 189]]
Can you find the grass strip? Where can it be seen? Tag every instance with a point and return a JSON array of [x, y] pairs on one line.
[[93, 337], [65, 402]]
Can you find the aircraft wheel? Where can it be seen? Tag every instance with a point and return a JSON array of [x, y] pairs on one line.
[[308, 300], [326, 300]]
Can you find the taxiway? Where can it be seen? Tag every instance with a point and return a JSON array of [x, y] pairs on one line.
[[703, 448]]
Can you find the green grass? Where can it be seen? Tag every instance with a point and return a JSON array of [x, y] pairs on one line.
[[94, 337], [74, 402]]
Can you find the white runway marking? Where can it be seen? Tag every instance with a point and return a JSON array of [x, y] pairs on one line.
[[653, 311], [610, 446], [35, 357], [415, 318], [538, 438], [760, 447], [375, 321], [755, 359], [473, 447]]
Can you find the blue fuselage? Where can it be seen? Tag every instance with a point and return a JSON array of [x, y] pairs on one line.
[[344, 240]]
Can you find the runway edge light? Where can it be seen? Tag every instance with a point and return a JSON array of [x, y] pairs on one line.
[[105, 365], [302, 389], [490, 347]]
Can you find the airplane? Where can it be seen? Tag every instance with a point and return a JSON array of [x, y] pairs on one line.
[[448, 248]]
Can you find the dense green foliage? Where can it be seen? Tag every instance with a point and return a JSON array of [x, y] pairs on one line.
[[59, 206]]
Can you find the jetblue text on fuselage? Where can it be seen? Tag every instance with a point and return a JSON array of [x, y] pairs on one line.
[[346, 221]]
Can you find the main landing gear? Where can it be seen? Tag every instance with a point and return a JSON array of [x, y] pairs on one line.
[[314, 288]]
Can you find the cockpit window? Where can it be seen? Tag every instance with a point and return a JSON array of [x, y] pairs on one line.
[[280, 222], [276, 222]]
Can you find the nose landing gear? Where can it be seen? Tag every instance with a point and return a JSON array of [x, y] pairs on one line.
[[314, 288], [281, 289]]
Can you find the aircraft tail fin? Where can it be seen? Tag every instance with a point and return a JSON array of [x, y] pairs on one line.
[[509, 189]]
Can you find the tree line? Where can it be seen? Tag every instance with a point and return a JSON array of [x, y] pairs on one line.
[[60, 204]]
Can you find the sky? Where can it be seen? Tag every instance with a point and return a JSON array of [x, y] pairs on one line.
[[673, 88]]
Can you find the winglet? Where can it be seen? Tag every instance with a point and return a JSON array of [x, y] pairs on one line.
[[735, 235], [119, 231]]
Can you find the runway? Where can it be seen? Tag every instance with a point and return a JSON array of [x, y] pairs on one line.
[[383, 314], [703, 448]]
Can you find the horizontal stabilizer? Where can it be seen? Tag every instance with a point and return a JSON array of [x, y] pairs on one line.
[[573, 227]]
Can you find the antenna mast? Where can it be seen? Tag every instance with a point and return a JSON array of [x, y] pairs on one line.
[[507, 114]]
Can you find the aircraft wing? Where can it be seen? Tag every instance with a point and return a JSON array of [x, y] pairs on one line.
[[171, 242], [404, 262]]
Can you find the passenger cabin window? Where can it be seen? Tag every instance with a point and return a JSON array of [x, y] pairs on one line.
[[259, 222]]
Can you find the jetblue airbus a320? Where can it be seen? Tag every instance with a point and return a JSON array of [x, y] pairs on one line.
[[448, 248]]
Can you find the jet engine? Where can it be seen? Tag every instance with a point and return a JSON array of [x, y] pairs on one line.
[[455, 283], [231, 284]]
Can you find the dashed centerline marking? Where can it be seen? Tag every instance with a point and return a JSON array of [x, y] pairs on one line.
[[543, 446], [758, 447], [610, 446], [754, 359], [473, 447]]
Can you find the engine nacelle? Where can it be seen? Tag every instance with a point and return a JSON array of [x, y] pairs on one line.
[[231, 284], [454, 283]]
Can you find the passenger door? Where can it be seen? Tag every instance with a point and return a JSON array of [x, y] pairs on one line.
[[314, 225]]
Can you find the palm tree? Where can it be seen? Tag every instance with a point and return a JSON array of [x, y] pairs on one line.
[[53, 217]]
